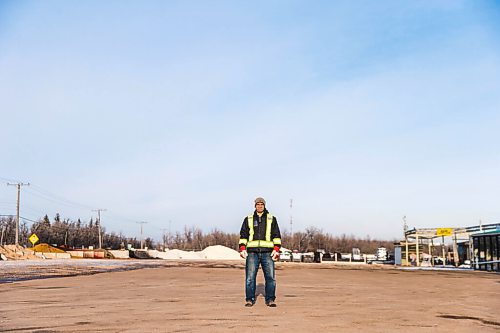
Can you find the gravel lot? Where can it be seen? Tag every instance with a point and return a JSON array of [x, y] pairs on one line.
[[180, 296]]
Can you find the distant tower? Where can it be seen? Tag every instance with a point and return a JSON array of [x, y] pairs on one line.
[[291, 219]]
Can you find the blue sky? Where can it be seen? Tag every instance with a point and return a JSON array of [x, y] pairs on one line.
[[182, 112]]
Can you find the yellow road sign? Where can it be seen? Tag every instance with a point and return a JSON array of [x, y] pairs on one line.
[[33, 239], [444, 231]]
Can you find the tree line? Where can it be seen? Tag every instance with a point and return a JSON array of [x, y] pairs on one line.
[[78, 234], [65, 233]]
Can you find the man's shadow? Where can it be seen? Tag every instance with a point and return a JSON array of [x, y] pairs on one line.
[[260, 289]]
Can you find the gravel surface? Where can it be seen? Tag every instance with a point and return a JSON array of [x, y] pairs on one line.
[[209, 297], [21, 270]]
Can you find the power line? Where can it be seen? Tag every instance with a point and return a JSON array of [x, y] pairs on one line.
[[27, 219], [45, 194], [129, 220], [9, 180], [42, 193]]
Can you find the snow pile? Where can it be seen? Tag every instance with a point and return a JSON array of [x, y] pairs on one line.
[[156, 254], [215, 252], [179, 254], [219, 252]]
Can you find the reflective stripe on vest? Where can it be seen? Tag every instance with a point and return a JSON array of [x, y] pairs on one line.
[[260, 243]]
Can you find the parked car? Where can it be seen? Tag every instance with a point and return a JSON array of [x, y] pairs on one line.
[[285, 255], [296, 256], [328, 256], [332, 256], [439, 261], [356, 254], [307, 257]]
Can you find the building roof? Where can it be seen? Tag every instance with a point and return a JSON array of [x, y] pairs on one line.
[[487, 233]]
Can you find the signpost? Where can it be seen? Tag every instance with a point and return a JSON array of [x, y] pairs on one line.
[[444, 231], [33, 239]]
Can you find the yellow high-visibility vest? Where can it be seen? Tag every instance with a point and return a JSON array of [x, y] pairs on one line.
[[262, 243]]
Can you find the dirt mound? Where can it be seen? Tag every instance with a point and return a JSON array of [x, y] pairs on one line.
[[14, 252], [45, 248]]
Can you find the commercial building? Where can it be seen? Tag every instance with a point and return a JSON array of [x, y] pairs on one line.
[[486, 250], [478, 245]]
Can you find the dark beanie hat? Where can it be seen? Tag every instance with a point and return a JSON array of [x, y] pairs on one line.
[[260, 200]]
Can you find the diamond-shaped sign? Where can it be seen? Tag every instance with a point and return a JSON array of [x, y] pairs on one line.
[[33, 239]]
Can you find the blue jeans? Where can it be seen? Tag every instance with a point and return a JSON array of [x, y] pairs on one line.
[[255, 259]]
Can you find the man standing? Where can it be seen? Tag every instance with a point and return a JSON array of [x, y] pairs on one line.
[[260, 242]]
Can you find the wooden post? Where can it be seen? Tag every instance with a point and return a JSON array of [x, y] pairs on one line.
[[431, 245], [442, 248], [418, 254], [455, 250], [406, 247]]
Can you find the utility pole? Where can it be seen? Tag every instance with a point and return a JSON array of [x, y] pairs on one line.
[[169, 232], [99, 223], [1, 239], [18, 200], [142, 243], [164, 237], [291, 221], [405, 229]]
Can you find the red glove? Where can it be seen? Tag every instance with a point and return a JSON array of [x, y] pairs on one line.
[[243, 251], [275, 255]]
